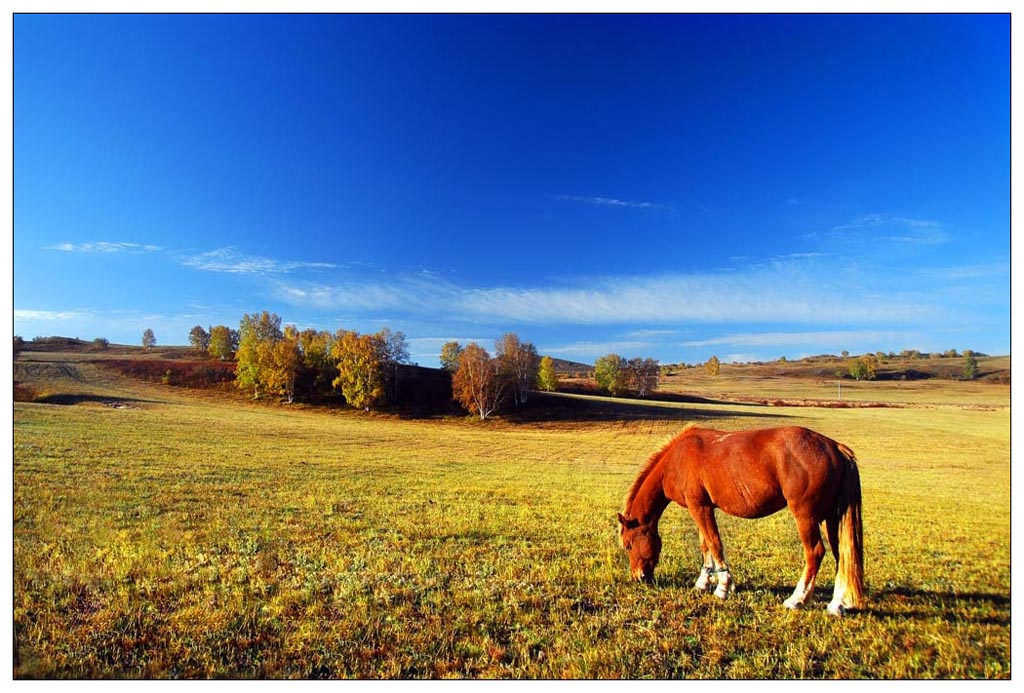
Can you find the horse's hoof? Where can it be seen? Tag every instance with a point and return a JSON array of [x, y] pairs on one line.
[[838, 610], [793, 605]]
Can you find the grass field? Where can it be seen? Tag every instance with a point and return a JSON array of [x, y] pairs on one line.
[[160, 533]]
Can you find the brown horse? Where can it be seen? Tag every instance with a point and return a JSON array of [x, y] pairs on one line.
[[752, 474]]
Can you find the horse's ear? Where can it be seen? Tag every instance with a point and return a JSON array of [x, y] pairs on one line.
[[623, 520]]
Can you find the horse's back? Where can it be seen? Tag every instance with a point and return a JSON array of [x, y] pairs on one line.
[[757, 472]]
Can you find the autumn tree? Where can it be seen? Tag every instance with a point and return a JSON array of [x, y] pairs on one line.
[[199, 338], [864, 367], [359, 360], [643, 375], [547, 377], [712, 367], [281, 363], [148, 339], [223, 342], [393, 352], [257, 336], [478, 383], [318, 370], [519, 364], [970, 365], [450, 352], [611, 375]]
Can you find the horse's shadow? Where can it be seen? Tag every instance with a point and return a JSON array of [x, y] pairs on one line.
[[890, 603], [950, 607]]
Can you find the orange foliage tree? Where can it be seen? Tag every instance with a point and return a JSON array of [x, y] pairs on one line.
[[479, 383]]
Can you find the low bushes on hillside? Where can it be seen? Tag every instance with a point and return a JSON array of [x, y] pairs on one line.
[[179, 373]]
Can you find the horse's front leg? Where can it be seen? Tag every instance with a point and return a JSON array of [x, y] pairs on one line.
[[711, 545]]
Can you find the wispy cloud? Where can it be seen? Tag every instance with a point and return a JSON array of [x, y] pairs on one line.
[[592, 350], [648, 334], [995, 269], [610, 202], [51, 315], [105, 247], [790, 292], [228, 260], [231, 261], [837, 338], [892, 228]]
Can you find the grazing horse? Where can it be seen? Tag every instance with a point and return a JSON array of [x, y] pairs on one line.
[[752, 474]]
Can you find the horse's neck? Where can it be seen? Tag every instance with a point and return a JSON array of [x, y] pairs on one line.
[[650, 500]]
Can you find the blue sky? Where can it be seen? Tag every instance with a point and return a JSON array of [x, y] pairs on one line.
[[665, 186]]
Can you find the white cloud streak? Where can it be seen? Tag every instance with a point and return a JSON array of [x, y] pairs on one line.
[[838, 338], [892, 228], [609, 202], [105, 247], [227, 260], [230, 261], [578, 350], [50, 315], [970, 272], [778, 293]]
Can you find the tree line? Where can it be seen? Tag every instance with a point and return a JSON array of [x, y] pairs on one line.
[[284, 362], [288, 362], [365, 368]]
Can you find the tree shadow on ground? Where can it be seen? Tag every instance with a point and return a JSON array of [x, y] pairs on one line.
[[72, 399], [559, 407]]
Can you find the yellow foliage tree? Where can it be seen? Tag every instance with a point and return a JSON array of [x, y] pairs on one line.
[[712, 366], [281, 361], [268, 359], [360, 368], [547, 377]]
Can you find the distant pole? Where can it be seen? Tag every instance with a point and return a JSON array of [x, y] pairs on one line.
[[839, 386]]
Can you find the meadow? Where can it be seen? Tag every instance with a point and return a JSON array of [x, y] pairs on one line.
[[161, 532]]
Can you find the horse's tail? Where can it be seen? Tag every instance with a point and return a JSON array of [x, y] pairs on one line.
[[851, 535]]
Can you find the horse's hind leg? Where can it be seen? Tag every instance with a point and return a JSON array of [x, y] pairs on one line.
[[814, 551], [836, 606], [711, 544], [832, 530], [707, 566]]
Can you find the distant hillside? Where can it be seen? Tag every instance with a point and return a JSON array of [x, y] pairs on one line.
[[994, 369], [991, 369], [101, 347]]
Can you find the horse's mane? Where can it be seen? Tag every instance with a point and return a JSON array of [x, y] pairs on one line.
[[652, 462]]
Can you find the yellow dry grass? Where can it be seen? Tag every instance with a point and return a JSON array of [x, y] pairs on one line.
[[183, 536]]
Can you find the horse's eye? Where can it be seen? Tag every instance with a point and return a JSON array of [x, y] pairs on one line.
[[628, 546]]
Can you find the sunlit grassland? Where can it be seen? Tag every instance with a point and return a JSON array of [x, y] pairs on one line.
[[777, 382], [205, 538]]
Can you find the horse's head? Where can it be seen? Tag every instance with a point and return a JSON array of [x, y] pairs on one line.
[[643, 544]]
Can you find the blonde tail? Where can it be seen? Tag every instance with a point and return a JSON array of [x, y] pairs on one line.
[[851, 536]]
